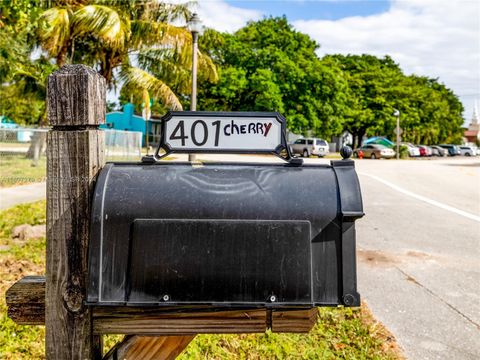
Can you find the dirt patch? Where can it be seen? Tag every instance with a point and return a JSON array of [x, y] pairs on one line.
[[418, 255], [376, 258], [389, 343], [386, 259]]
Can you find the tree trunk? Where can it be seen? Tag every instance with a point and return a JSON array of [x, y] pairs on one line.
[[360, 134], [354, 139], [107, 65], [37, 146], [62, 57]]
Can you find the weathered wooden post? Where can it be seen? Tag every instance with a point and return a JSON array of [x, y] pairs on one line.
[[75, 154]]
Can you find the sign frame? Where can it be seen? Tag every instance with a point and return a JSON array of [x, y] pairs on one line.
[[282, 146]]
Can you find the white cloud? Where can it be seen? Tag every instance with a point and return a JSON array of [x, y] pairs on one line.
[[219, 15], [432, 38]]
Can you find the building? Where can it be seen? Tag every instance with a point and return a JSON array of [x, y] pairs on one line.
[[472, 134], [126, 120]]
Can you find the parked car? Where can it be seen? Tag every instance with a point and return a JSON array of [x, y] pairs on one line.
[[425, 150], [413, 151], [439, 151], [453, 150], [310, 146], [374, 151], [468, 150]]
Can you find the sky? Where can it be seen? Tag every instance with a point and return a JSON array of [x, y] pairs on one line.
[[435, 38]]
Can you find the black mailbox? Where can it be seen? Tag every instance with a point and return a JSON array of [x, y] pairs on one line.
[[224, 234]]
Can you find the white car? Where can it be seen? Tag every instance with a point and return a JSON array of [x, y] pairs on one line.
[[413, 151], [468, 150], [310, 146]]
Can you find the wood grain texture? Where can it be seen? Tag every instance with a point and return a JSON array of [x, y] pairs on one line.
[[25, 298], [76, 96], [145, 321], [26, 301], [74, 158], [149, 347], [299, 321]]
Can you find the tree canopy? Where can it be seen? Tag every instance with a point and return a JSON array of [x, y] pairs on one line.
[[265, 66], [430, 113], [268, 66], [132, 44]]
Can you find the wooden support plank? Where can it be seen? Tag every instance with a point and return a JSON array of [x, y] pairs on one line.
[[300, 321], [75, 154], [25, 306], [149, 347], [152, 321]]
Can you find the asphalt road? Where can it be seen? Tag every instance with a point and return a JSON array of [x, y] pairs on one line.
[[419, 253]]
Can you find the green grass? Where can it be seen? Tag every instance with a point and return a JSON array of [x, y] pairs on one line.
[[18, 170], [16, 261], [340, 333], [333, 155]]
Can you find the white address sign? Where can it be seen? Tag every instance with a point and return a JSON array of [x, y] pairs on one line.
[[222, 133]]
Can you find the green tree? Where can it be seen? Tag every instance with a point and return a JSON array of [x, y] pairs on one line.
[[430, 112], [134, 37], [370, 95], [268, 66], [22, 79]]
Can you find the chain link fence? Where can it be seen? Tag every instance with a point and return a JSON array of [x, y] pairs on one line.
[[22, 156], [23, 153]]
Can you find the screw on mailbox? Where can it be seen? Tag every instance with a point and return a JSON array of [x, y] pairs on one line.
[[348, 299]]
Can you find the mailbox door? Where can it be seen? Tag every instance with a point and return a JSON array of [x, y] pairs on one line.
[[219, 260]]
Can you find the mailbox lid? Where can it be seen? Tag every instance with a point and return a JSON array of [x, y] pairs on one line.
[[132, 199]]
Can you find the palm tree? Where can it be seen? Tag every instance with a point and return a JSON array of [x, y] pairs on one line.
[[123, 35]]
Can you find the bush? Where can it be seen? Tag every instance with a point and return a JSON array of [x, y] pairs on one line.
[[403, 150]]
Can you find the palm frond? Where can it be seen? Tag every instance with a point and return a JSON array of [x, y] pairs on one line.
[[141, 79], [207, 67], [176, 68], [148, 33], [104, 23], [54, 29], [161, 11], [163, 63]]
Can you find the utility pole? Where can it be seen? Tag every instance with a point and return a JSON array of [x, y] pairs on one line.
[[397, 131], [195, 26]]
